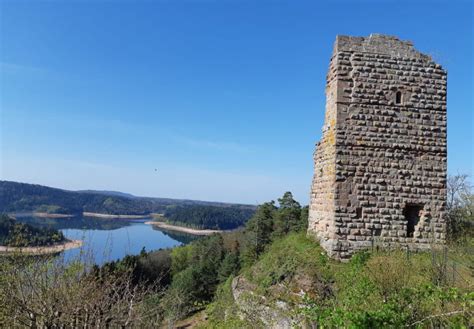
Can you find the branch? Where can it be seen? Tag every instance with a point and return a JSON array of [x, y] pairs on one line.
[[436, 316]]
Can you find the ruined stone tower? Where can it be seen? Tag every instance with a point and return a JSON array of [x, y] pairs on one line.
[[380, 167]]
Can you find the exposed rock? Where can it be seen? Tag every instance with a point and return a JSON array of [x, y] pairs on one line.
[[259, 310]]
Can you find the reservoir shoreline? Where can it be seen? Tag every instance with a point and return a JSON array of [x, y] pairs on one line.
[[184, 229], [98, 215], [42, 250]]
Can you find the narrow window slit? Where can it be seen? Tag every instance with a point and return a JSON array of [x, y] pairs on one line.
[[358, 212], [398, 97]]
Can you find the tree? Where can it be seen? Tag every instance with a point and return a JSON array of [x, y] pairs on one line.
[[230, 266], [288, 216], [459, 206], [15, 234], [258, 231], [195, 270]]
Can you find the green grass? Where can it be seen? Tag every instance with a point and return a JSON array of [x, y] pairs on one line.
[[287, 258], [375, 289]]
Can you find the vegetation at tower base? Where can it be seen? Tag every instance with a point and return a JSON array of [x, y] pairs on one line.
[[14, 234], [268, 274], [292, 283]]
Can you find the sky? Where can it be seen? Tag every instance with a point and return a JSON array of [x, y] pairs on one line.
[[210, 100]]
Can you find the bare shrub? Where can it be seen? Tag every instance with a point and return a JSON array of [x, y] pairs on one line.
[[47, 293]]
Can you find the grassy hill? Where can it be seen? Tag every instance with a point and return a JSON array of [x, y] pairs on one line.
[[294, 284]]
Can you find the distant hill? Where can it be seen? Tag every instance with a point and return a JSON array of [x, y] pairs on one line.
[[21, 197], [109, 193]]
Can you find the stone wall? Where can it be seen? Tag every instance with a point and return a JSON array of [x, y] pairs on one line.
[[380, 167]]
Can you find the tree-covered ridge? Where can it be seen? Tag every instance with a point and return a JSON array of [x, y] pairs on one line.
[[15, 234], [21, 197], [209, 217]]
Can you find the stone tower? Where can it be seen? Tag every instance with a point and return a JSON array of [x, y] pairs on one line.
[[380, 167]]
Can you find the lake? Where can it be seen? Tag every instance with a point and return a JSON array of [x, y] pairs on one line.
[[109, 239]]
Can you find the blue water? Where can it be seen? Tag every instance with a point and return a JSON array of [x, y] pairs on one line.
[[109, 239]]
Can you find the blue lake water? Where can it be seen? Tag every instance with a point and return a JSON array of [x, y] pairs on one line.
[[109, 239]]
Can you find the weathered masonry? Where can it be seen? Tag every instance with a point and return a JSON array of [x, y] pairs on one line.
[[380, 167]]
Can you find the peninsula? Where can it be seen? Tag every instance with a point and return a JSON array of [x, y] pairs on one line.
[[184, 229]]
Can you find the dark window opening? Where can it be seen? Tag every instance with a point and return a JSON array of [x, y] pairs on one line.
[[359, 212], [412, 216], [398, 97], [376, 232]]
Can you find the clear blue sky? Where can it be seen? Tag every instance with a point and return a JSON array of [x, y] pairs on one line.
[[224, 98]]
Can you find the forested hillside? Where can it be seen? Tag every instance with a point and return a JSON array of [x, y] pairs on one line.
[[20, 197], [209, 217], [15, 234]]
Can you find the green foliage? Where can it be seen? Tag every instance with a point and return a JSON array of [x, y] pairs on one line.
[[209, 217], [147, 268], [230, 266], [388, 290], [199, 267], [258, 231], [288, 216], [196, 269], [285, 258], [460, 209], [270, 223], [413, 306], [181, 258], [16, 234]]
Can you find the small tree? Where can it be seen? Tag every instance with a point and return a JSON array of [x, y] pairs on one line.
[[459, 206], [258, 231]]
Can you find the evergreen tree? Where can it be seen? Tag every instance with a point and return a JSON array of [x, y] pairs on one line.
[[230, 266], [288, 216], [258, 231]]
